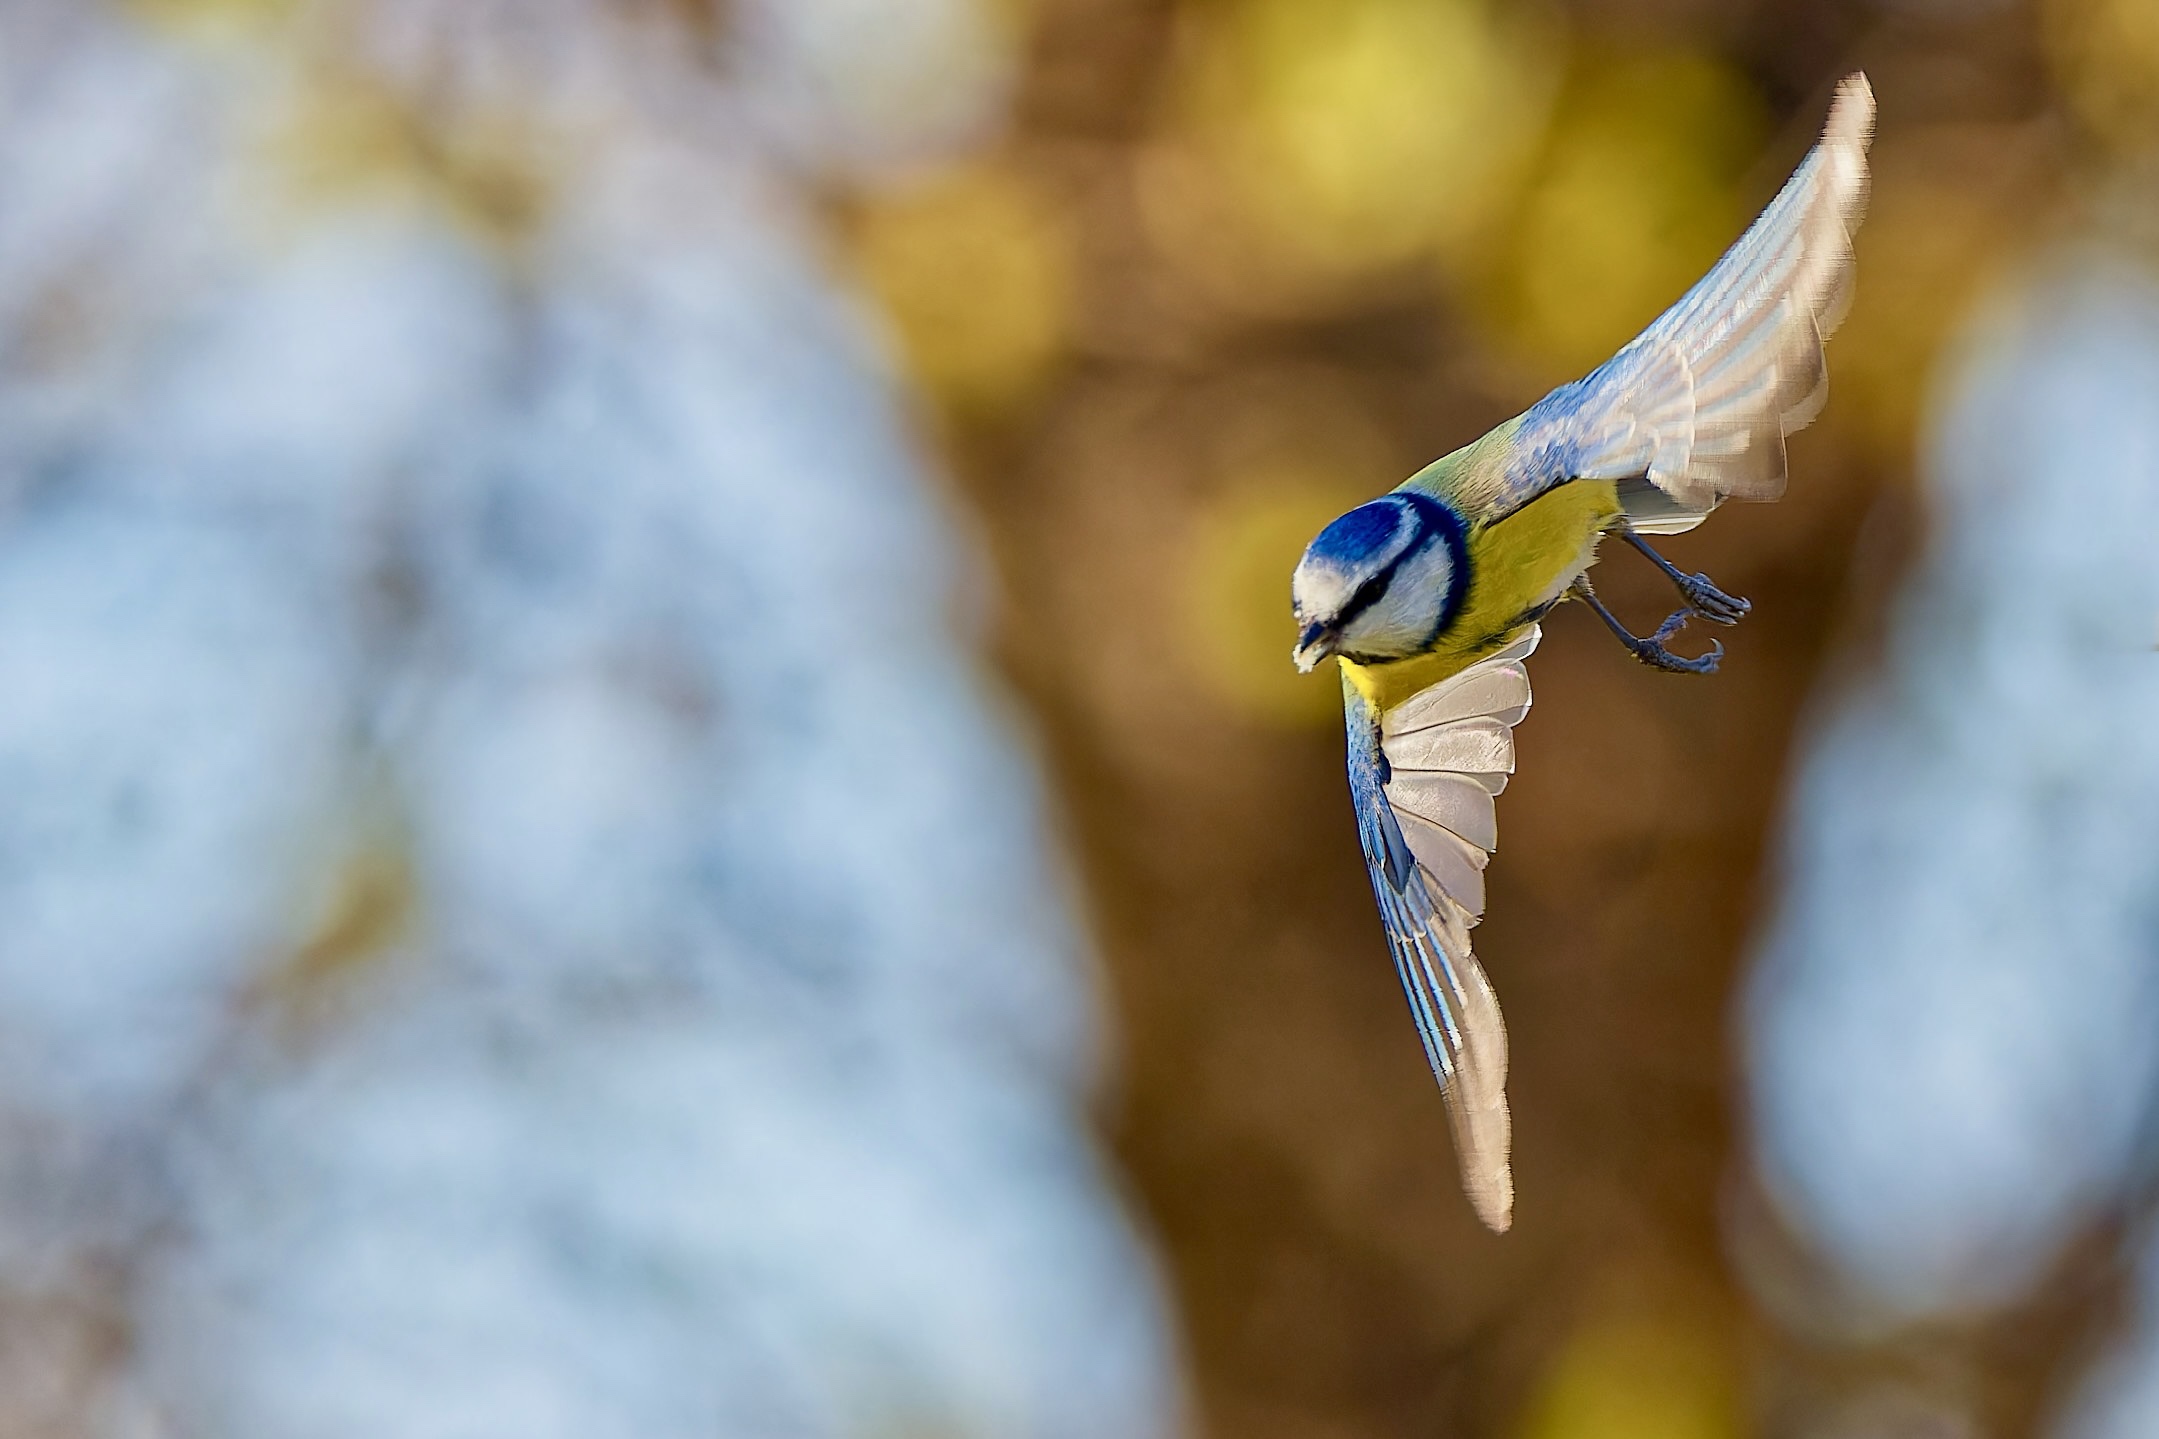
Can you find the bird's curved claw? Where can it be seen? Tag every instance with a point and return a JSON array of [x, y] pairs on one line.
[[1711, 603], [1700, 593], [1651, 650]]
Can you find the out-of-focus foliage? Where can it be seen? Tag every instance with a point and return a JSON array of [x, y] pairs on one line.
[[1291, 452], [522, 916], [344, 139], [213, 17], [1940, 228], [2106, 53], [1636, 196], [862, 87], [1232, 627], [1307, 146], [1954, 1026], [971, 265], [1638, 1374]]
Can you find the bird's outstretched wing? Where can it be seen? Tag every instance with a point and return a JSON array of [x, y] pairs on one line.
[[1423, 776], [1695, 409]]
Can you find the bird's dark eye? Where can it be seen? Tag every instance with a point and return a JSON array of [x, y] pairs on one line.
[[1366, 595]]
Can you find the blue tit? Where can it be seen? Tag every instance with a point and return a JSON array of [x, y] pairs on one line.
[[1429, 598]]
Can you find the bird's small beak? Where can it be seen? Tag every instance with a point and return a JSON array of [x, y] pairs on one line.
[[1315, 644]]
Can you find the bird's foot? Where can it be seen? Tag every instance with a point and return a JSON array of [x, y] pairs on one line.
[[1653, 652], [1701, 594], [1711, 603]]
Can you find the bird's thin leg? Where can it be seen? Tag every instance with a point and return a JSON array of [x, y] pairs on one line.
[[1706, 599], [1651, 651]]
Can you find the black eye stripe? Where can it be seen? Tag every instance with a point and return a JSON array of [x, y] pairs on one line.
[[1368, 594], [1441, 526], [1437, 524]]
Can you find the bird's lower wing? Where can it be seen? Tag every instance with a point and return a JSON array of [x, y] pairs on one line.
[[1697, 406], [1423, 777]]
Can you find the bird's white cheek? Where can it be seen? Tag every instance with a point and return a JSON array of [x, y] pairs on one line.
[[1398, 625], [1403, 621]]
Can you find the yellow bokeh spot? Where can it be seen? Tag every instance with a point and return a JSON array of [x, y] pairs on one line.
[[1637, 1377], [1343, 138], [1636, 198], [1927, 248], [974, 269], [345, 137], [1238, 629], [211, 16], [2105, 55], [370, 910]]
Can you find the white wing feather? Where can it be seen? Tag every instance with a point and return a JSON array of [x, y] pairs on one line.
[[1448, 751], [1695, 409]]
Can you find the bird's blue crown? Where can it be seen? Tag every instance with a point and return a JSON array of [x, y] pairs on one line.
[[1353, 540]]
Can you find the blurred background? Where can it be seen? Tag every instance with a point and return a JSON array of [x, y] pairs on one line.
[[649, 780]]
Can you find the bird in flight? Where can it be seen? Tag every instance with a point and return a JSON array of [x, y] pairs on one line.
[[1429, 597]]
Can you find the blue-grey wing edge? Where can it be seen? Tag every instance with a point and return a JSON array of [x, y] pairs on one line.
[[1423, 777]]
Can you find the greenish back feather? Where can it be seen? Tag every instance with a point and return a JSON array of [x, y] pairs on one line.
[[1473, 480]]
